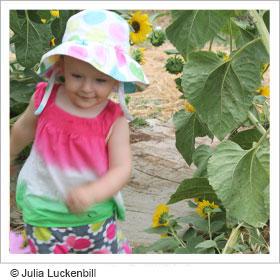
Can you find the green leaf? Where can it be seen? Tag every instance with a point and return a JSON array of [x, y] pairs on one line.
[[200, 159], [216, 226], [59, 24], [176, 13], [21, 92], [187, 250], [192, 239], [263, 155], [44, 14], [157, 230], [30, 73], [35, 16], [246, 138], [15, 22], [173, 51], [14, 39], [266, 19], [239, 179], [193, 28], [191, 204], [32, 40], [140, 250], [222, 91], [165, 244], [192, 188], [244, 36], [207, 244], [196, 221], [220, 237], [188, 126]]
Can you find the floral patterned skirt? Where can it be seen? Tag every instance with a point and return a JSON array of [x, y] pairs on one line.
[[98, 238]]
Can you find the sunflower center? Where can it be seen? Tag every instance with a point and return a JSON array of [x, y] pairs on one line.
[[136, 26], [163, 218]]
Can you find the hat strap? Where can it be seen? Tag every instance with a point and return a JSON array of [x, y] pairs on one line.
[[47, 93], [122, 101]]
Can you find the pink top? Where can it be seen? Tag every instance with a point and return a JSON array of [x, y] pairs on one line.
[[73, 142], [68, 151]]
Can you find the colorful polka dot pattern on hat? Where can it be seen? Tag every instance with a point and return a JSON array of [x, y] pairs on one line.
[[100, 38], [98, 238]]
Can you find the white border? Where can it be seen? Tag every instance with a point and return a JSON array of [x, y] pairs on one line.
[[147, 258]]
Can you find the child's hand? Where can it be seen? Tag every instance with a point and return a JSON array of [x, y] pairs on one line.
[[79, 199]]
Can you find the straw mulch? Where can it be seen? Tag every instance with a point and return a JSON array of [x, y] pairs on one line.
[[161, 98]]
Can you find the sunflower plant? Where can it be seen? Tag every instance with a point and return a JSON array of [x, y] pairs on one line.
[[227, 90], [190, 234], [203, 231], [141, 27], [157, 37], [235, 110]]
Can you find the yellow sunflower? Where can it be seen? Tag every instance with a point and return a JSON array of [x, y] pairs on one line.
[[264, 91], [55, 13], [189, 107], [141, 27], [226, 57], [202, 205], [160, 217], [52, 42]]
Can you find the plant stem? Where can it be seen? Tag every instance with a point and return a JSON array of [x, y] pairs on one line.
[[256, 123], [258, 20], [209, 230], [26, 14], [209, 226], [210, 44], [177, 238], [230, 36]]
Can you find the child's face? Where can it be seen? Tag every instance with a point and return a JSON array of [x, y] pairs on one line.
[[85, 86]]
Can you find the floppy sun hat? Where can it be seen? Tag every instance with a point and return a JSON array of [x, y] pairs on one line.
[[100, 38]]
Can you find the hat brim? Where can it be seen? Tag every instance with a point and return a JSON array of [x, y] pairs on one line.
[[110, 60]]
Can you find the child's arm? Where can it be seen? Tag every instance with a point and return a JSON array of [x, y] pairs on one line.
[[79, 199], [23, 131]]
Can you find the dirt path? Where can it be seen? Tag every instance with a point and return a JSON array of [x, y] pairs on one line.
[[158, 169]]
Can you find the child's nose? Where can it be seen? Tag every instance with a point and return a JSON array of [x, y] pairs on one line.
[[87, 86]]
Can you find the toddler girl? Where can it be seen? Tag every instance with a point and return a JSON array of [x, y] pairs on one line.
[[68, 188]]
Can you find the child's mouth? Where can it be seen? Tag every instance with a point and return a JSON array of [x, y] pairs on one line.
[[87, 97]]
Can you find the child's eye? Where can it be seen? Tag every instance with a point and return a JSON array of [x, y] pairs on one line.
[[101, 80], [77, 76]]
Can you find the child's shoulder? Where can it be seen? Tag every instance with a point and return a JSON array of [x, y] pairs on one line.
[[113, 112], [39, 93], [41, 85], [114, 109]]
